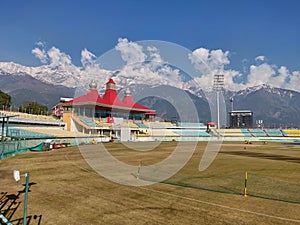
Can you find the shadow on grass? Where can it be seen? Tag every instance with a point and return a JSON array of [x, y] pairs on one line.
[[29, 220], [10, 203]]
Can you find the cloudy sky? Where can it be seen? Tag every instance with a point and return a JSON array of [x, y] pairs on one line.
[[250, 42]]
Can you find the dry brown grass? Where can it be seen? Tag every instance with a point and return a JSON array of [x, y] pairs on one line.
[[65, 190]]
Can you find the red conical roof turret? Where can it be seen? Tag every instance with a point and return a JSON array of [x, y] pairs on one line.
[[110, 81], [110, 96]]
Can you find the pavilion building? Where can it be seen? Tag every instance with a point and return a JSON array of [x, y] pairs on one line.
[[93, 114]]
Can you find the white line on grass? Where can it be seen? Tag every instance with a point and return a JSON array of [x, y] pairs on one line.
[[221, 206], [197, 200]]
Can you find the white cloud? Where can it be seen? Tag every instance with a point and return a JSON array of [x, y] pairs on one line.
[[87, 58], [260, 58], [282, 77], [267, 74], [211, 62], [53, 56], [146, 65], [207, 61], [141, 66], [154, 54], [131, 52], [151, 74], [294, 81], [40, 54], [199, 58], [218, 59], [57, 57], [277, 77], [260, 74], [40, 44]]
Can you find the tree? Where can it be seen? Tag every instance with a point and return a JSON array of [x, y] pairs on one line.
[[33, 108], [5, 100]]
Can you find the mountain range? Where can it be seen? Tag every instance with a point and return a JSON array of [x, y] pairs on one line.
[[45, 84]]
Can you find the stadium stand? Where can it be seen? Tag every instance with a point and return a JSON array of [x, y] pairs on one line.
[[102, 123], [246, 132], [17, 133], [54, 132], [164, 133], [257, 132], [291, 133], [88, 121], [129, 124], [159, 124], [189, 129], [29, 116], [143, 135], [231, 132], [191, 125], [273, 132], [141, 125], [192, 133]]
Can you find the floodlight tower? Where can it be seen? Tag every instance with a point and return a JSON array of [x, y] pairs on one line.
[[231, 101], [218, 86]]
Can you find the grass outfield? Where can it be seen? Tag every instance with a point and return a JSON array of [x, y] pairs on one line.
[[65, 190]]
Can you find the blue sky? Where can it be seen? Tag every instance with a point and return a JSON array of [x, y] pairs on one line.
[[245, 28]]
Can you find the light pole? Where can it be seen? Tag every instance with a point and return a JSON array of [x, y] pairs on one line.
[[17, 178], [218, 86], [231, 101]]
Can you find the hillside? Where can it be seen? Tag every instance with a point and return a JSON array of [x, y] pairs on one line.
[[24, 88], [277, 107]]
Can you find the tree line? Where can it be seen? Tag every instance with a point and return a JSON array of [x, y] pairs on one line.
[[30, 107]]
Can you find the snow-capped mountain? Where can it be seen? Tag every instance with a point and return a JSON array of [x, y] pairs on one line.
[[275, 106], [59, 75], [72, 76], [273, 90]]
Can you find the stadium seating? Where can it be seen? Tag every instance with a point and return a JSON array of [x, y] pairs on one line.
[[27, 116], [257, 132], [55, 132], [164, 133], [102, 123], [129, 124], [141, 125], [88, 122], [192, 133], [190, 125], [143, 135], [274, 132], [291, 133], [159, 124], [231, 132], [26, 134], [189, 129], [246, 132]]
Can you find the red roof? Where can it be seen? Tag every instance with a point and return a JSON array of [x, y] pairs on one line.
[[150, 113], [211, 124], [129, 103], [110, 99], [110, 81], [91, 97]]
